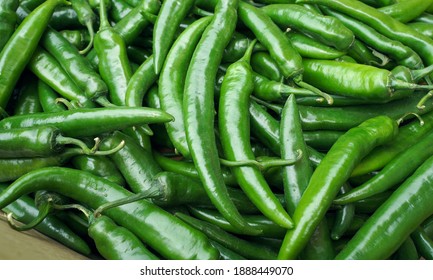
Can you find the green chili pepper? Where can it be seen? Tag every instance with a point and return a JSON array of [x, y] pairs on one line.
[[87, 18], [393, 173], [407, 251], [48, 98], [297, 176], [423, 243], [8, 20], [225, 253], [79, 38], [171, 81], [264, 65], [170, 15], [114, 65], [89, 122], [330, 175], [389, 226], [235, 138], [198, 109], [135, 163], [356, 80], [140, 83], [49, 70], [385, 24], [180, 242], [408, 135], [24, 210], [327, 30], [402, 54], [405, 11], [25, 39], [27, 101], [115, 242], [99, 165], [76, 65]]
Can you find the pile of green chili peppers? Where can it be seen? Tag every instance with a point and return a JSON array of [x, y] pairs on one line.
[[219, 129]]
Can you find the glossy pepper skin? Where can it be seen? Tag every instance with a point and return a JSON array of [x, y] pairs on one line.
[[8, 20], [234, 130], [143, 218], [25, 39], [356, 80], [329, 176], [327, 30], [88, 122], [389, 226], [198, 106], [170, 16], [25, 211], [385, 24], [114, 242], [172, 82], [113, 66]]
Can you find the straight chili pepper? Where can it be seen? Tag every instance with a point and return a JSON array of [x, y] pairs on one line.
[[89, 122], [198, 108], [405, 11], [79, 38], [329, 176], [48, 98], [8, 20], [180, 242], [27, 101], [25, 38], [170, 16]]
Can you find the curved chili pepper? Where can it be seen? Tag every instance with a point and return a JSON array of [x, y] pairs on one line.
[[8, 20], [235, 136], [89, 122], [181, 242], [171, 81], [395, 219], [25, 38], [330, 175], [263, 64], [198, 109]]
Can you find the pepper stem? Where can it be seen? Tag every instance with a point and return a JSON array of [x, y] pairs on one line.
[[402, 118], [423, 100], [89, 25], [151, 193], [263, 163], [317, 91], [103, 19], [44, 210]]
